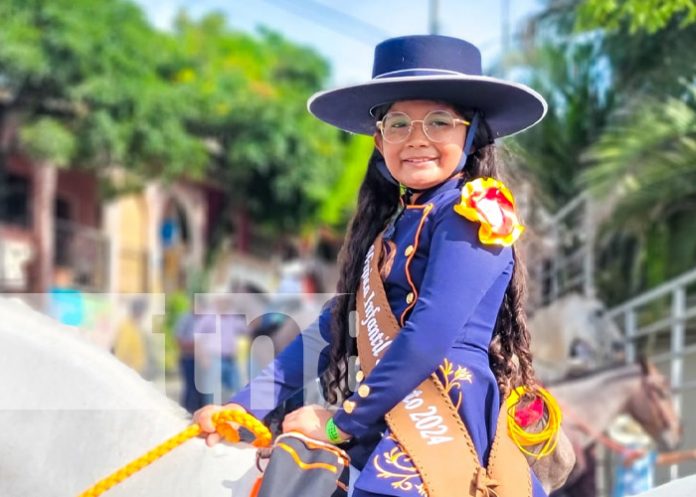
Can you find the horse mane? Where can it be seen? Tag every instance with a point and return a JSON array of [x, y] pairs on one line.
[[625, 370]]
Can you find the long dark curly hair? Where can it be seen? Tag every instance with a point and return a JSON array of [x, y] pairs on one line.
[[378, 200]]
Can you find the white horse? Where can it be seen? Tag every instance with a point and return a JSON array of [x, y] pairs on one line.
[[683, 487], [71, 414], [573, 334]]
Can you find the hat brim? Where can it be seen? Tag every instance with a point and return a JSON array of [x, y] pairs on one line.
[[507, 107]]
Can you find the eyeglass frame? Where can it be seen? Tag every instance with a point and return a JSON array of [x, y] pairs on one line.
[[455, 121]]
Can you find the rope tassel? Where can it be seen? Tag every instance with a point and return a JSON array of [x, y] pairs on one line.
[[548, 436]]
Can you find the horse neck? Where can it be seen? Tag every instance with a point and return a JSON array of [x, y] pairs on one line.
[[53, 368], [598, 399], [78, 407]]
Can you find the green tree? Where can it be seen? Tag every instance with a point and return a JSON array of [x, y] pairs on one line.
[[637, 62], [339, 205], [93, 85], [551, 152], [619, 107], [88, 84], [650, 16], [645, 164], [248, 97]]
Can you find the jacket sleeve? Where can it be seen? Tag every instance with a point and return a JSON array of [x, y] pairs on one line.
[[460, 271], [302, 361]]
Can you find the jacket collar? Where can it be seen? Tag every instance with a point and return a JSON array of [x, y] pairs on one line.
[[431, 192]]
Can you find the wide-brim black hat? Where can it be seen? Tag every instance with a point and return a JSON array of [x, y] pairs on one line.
[[430, 67]]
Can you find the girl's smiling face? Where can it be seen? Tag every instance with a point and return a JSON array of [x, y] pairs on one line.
[[418, 162]]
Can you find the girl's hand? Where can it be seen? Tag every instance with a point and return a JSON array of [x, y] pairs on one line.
[[204, 418], [311, 421]]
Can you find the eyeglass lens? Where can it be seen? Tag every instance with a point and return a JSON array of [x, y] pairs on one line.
[[437, 126]]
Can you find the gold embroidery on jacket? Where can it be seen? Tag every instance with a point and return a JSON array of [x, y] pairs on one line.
[[453, 379], [401, 469], [395, 464]]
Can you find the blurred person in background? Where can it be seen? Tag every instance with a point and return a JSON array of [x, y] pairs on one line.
[[65, 301], [130, 346], [218, 332], [191, 398], [275, 320], [634, 467]]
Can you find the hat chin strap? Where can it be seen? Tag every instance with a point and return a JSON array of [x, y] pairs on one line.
[[468, 145], [384, 171]]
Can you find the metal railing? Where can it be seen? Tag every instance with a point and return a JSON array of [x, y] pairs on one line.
[[659, 325], [569, 265]]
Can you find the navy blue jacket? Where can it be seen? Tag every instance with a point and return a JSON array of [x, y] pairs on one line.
[[446, 289]]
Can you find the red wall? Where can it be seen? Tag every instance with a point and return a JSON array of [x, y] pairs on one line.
[[80, 190]]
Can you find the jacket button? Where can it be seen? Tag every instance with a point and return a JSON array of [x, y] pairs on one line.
[[359, 376], [409, 250], [348, 406], [409, 297], [363, 391]]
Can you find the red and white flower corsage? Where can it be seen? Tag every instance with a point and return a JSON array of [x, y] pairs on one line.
[[489, 202]]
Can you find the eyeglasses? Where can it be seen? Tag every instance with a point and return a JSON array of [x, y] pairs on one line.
[[438, 126]]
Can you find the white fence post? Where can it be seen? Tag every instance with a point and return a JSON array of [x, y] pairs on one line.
[[677, 341], [630, 331]]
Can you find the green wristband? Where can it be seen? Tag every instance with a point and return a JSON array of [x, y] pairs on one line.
[[332, 432]]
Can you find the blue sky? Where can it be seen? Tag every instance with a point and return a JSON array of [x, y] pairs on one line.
[[345, 32]]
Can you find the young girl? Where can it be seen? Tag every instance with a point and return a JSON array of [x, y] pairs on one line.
[[430, 267]]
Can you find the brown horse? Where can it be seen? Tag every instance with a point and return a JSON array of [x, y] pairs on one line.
[[590, 403]]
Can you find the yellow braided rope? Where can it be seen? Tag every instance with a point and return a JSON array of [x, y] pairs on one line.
[[548, 436], [221, 419]]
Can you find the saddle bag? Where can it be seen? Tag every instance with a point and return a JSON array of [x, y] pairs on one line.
[[300, 466]]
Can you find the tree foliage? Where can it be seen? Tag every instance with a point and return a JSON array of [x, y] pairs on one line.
[[248, 101], [94, 74], [621, 106], [94, 85], [338, 206], [636, 62], [568, 76], [650, 16], [645, 163]]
